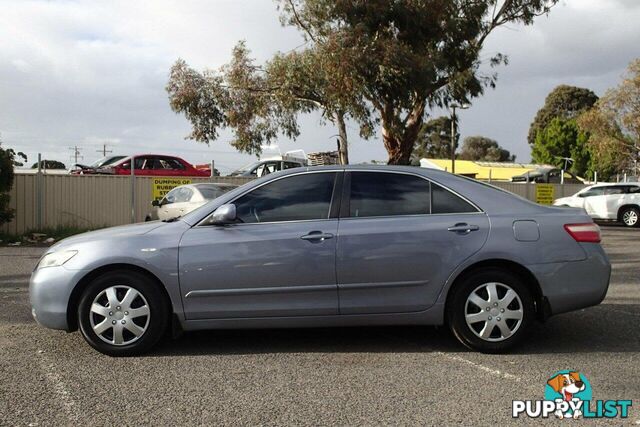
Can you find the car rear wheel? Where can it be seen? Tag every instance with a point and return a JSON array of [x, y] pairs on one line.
[[490, 310], [630, 217], [123, 313]]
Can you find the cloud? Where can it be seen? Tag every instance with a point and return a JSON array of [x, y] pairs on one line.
[[87, 73]]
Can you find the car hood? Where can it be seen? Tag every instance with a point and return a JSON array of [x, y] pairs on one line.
[[562, 200], [111, 232]]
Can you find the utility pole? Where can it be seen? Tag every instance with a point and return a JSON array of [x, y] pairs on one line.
[[76, 153], [453, 133], [104, 150]]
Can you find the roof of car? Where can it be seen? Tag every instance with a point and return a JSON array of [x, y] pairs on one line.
[[213, 184], [609, 184]]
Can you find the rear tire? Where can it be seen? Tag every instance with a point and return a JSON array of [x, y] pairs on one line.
[[630, 217], [123, 313], [490, 310]]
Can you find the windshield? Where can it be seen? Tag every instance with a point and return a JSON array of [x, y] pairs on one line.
[[211, 192], [244, 169], [106, 161]]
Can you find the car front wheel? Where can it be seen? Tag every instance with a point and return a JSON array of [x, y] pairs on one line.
[[123, 313], [490, 310], [630, 217]]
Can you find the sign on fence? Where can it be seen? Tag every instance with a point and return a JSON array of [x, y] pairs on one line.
[[544, 194], [161, 186]]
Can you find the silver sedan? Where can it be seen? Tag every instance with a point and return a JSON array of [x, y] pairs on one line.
[[332, 246]]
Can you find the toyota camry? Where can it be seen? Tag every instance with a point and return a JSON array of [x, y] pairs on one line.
[[330, 246]]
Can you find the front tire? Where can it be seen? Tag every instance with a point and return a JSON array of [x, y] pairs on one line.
[[630, 217], [123, 313], [490, 310]]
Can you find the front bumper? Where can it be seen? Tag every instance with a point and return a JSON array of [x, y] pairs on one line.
[[49, 294], [574, 285]]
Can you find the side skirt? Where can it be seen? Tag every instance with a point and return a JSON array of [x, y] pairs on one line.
[[432, 316]]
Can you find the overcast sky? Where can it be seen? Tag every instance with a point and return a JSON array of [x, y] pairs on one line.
[[87, 73]]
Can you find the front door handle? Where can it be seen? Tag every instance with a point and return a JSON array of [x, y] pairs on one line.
[[463, 228], [317, 236]]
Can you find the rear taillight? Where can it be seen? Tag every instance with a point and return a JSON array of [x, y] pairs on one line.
[[588, 232]]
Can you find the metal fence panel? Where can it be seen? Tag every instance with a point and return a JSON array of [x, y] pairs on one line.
[[93, 201]]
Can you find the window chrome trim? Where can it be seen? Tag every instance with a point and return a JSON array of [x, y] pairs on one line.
[[431, 182], [345, 171], [306, 172]]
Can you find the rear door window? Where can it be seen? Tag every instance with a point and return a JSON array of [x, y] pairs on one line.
[[388, 194]]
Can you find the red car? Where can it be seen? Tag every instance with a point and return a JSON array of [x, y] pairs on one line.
[[153, 165]]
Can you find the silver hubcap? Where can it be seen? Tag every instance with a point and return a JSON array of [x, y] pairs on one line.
[[493, 311], [119, 315], [630, 217]]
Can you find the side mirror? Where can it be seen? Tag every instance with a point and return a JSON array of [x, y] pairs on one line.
[[225, 214], [155, 203]]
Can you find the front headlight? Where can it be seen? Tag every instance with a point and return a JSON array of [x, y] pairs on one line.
[[55, 259]]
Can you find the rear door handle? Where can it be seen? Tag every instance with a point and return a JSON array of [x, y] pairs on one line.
[[317, 236], [463, 228]]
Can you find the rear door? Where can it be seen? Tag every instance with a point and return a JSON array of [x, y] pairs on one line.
[[400, 237]]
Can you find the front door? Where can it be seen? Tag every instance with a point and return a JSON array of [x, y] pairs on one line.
[[400, 237], [278, 260]]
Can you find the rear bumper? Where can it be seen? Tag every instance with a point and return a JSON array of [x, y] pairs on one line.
[[574, 285]]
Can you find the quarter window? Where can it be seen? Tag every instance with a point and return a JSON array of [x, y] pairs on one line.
[[445, 202], [295, 198]]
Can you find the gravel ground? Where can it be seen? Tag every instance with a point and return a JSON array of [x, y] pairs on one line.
[[401, 375]]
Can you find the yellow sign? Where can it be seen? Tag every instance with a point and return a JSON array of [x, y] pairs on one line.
[[544, 194], [161, 186]]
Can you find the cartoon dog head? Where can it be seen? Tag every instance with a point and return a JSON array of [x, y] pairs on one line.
[[567, 384]]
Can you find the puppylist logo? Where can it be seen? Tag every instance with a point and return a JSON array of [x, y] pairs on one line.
[[567, 394]]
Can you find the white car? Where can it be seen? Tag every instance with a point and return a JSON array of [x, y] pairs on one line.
[[185, 198], [614, 202]]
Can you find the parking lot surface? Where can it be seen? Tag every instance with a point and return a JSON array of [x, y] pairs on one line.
[[400, 375]]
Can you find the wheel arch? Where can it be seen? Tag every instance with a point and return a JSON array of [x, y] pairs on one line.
[[541, 305], [625, 206], [76, 294]]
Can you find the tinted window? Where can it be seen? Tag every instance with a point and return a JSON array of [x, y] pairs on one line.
[[211, 193], [615, 190], [300, 197], [634, 189], [595, 191], [444, 201], [289, 165], [386, 194]]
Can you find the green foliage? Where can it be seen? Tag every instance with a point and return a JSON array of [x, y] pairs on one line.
[[484, 149], [375, 62], [7, 163], [566, 102], [434, 140], [409, 56], [563, 138], [614, 127], [49, 164]]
